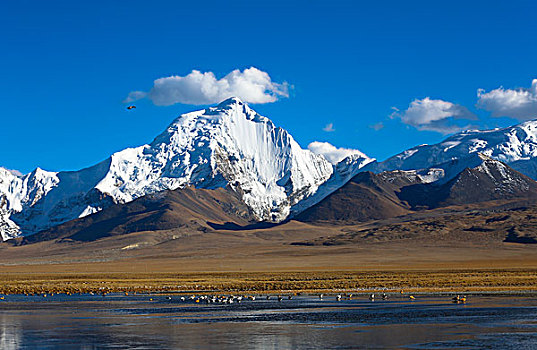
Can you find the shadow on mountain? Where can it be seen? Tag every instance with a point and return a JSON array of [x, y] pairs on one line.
[[231, 226], [186, 209], [492, 180], [514, 236], [367, 196]]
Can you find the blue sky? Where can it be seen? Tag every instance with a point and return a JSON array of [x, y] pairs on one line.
[[66, 67]]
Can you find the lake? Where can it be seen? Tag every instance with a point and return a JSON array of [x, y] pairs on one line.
[[305, 322]]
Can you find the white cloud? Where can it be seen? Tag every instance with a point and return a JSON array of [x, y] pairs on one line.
[[329, 127], [197, 88], [377, 126], [333, 154], [520, 104], [134, 95], [434, 115]]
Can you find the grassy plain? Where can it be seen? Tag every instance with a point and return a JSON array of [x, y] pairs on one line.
[[275, 283], [267, 261]]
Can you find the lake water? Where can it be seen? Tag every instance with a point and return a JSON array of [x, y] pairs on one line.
[[136, 322]]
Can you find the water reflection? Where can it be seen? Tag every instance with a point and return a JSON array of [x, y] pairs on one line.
[[89, 322], [10, 333]]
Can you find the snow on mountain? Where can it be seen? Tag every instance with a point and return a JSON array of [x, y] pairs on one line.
[[231, 145], [369, 196], [414, 176], [17, 192], [504, 180], [227, 145], [515, 146]]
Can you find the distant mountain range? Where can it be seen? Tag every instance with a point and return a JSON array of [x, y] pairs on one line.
[[370, 196], [228, 165], [515, 145]]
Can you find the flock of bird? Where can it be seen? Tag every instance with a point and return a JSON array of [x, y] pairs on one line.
[[230, 299], [223, 299]]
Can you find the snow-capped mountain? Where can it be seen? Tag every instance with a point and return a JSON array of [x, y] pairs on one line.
[[17, 192], [439, 163], [503, 182], [230, 145], [227, 145], [515, 146]]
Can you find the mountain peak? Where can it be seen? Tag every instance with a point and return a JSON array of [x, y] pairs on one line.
[[225, 146], [231, 101]]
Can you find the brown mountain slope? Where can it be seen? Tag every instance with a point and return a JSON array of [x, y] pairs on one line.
[[484, 224], [370, 196], [491, 180], [367, 196], [188, 208]]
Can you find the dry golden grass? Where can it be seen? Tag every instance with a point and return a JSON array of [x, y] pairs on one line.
[[267, 261], [265, 282]]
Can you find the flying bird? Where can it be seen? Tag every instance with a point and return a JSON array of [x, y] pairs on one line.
[[131, 107]]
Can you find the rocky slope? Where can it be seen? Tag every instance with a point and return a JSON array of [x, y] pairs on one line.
[[369, 196], [490, 180], [186, 210]]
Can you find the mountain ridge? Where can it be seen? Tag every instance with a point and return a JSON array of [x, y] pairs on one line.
[[232, 146], [374, 196], [188, 209], [226, 145], [514, 145]]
